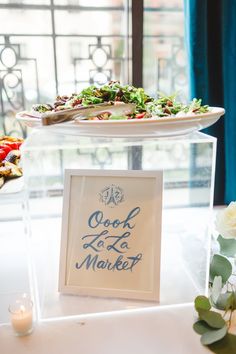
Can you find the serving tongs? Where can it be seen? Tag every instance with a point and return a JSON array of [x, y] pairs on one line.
[[83, 113]]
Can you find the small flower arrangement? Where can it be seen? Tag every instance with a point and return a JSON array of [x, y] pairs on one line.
[[216, 312]]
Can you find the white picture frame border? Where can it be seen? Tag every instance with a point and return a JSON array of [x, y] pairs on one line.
[[154, 294]]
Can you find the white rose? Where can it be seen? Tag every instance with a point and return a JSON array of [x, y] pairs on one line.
[[226, 221]]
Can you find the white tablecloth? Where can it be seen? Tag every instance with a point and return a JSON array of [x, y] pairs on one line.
[[147, 331]]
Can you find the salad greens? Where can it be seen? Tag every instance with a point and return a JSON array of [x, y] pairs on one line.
[[169, 106], [115, 93]]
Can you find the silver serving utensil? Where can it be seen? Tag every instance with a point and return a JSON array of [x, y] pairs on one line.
[[81, 113], [120, 109]]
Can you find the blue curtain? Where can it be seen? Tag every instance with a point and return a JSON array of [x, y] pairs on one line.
[[210, 29]]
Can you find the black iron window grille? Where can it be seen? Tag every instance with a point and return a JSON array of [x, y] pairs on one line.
[[57, 46]]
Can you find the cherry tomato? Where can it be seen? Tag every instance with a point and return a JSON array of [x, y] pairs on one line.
[[3, 154], [6, 148], [18, 143], [13, 145], [140, 115]]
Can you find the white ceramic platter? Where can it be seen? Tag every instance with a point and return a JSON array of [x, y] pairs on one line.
[[156, 126]]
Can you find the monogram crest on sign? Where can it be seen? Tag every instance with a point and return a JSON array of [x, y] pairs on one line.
[[111, 195]]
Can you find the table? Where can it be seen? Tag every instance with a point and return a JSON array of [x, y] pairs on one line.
[[166, 330], [148, 330]]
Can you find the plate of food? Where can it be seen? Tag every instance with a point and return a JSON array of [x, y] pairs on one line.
[[9, 158], [116, 110]]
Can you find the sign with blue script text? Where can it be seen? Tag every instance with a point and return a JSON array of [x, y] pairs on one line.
[[111, 234]]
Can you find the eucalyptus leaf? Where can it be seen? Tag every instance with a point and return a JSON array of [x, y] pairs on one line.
[[201, 327], [202, 303], [213, 319], [227, 246], [226, 345], [220, 266], [222, 301], [231, 302], [213, 336], [216, 288]]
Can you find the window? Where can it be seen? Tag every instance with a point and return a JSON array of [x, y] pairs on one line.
[[60, 46], [164, 60]]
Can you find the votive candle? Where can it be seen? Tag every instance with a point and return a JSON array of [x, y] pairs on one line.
[[22, 316]]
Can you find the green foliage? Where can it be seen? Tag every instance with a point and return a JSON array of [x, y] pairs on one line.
[[222, 301], [201, 327], [220, 266], [202, 303], [212, 318], [212, 336], [227, 246], [226, 345], [231, 302], [216, 288], [211, 324]]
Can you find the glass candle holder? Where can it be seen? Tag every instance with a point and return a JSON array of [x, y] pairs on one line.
[[21, 313]]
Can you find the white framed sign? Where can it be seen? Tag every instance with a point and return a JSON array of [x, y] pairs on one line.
[[111, 234]]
